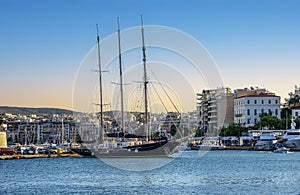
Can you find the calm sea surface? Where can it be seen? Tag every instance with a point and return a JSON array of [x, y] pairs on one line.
[[217, 172]]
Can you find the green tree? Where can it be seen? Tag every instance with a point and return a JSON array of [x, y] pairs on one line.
[[199, 133], [233, 130], [155, 135], [294, 101], [270, 122], [78, 139], [173, 130], [297, 121], [1, 120], [223, 131]]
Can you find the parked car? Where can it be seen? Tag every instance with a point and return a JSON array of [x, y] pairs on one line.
[[53, 150]]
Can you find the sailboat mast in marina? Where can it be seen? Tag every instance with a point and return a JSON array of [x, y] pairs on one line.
[[121, 79], [131, 145], [101, 129], [145, 82], [62, 131], [100, 78]]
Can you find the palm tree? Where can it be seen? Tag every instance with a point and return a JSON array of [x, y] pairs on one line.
[[294, 101]]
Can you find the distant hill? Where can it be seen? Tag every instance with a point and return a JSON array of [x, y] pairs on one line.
[[30, 111]]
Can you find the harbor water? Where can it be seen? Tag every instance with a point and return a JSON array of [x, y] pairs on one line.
[[217, 172]]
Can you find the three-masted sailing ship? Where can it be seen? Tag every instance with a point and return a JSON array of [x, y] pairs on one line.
[[146, 146]]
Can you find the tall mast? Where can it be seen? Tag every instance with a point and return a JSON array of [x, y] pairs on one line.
[[62, 130], [121, 77], [100, 78], [145, 81]]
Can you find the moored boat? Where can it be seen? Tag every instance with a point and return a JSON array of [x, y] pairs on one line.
[[292, 139], [281, 150], [121, 143], [206, 143], [266, 141]]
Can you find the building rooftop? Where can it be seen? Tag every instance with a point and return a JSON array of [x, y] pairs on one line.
[[260, 95]]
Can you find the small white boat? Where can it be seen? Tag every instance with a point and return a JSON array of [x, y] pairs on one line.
[[281, 150], [266, 141], [292, 138]]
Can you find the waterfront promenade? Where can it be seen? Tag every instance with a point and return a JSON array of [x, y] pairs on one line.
[[32, 156], [75, 155]]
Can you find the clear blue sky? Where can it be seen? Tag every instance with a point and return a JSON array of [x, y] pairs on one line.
[[42, 42]]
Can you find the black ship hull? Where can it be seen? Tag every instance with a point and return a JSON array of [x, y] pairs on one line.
[[158, 149]]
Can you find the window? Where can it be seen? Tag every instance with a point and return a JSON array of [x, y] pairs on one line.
[[269, 101], [255, 112], [248, 101], [248, 111], [262, 111], [296, 113], [262, 101], [276, 101], [255, 121], [248, 121], [270, 112], [276, 112], [255, 101]]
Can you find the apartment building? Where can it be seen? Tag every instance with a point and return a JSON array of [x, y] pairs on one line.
[[251, 104], [215, 108], [37, 132]]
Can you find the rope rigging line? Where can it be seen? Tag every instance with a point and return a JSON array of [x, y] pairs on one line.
[[165, 91], [159, 97]]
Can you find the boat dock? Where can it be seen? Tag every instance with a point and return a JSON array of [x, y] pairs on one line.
[[238, 148], [33, 156]]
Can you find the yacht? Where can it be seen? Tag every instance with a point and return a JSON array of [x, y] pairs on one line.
[[266, 141], [206, 143], [292, 139], [130, 145]]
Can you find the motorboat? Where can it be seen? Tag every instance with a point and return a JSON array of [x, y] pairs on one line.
[[207, 143], [292, 139], [281, 150], [266, 141]]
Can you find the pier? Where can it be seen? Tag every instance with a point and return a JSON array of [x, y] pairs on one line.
[[33, 156]]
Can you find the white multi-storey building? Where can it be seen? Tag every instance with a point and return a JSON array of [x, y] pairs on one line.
[[40, 132], [215, 107], [251, 104]]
